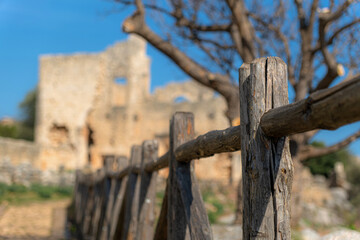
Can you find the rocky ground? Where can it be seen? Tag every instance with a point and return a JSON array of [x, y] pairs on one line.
[[38, 221], [46, 221]]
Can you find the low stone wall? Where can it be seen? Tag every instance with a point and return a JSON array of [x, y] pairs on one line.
[[25, 174], [18, 151]]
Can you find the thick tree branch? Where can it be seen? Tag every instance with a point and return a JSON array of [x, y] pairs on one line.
[[181, 21], [306, 34], [310, 152], [314, 6], [220, 83], [245, 30]]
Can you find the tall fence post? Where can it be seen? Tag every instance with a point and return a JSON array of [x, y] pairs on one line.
[[147, 196], [120, 163], [127, 220], [266, 162], [107, 185], [187, 218], [119, 196]]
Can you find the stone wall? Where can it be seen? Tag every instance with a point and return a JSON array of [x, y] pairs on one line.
[[20, 164], [26, 174], [18, 151]]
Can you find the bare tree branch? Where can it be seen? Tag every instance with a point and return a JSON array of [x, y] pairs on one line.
[[329, 59], [328, 17], [310, 152], [336, 34], [245, 30], [284, 40], [220, 83]]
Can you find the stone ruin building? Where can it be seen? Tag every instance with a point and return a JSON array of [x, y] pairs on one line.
[[99, 104]]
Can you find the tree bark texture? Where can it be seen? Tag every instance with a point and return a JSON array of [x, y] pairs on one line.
[[266, 161]]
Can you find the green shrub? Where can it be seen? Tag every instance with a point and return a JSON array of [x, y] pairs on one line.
[[64, 191], [15, 188], [43, 191], [3, 189], [324, 165], [8, 131]]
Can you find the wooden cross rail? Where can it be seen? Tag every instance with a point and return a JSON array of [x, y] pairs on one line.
[[118, 202]]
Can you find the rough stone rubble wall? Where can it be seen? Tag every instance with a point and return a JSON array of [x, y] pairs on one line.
[[18, 151]]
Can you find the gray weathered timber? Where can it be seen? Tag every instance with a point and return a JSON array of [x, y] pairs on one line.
[[121, 163], [161, 227], [99, 198], [210, 143], [326, 109], [108, 185], [88, 206], [187, 217], [147, 195], [267, 165], [127, 220], [206, 145], [158, 164], [118, 211]]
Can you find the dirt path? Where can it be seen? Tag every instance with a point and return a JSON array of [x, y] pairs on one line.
[[33, 221]]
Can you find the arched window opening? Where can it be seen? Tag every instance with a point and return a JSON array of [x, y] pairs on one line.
[[180, 99], [120, 81]]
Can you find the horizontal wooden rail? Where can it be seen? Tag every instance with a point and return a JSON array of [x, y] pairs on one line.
[[206, 145], [326, 109]]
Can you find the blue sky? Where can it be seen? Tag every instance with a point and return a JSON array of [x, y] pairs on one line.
[[31, 28]]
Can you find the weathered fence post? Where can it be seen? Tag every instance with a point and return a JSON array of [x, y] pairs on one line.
[[267, 165], [127, 219], [120, 163], [107, 187], [88, 204], [187, 218], [147, 196], [99, 197], [161, 227], [119, 195]]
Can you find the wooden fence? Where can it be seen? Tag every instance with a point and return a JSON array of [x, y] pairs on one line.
[[117, 202]]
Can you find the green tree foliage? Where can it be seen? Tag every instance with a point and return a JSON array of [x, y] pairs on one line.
[[24, 129], [9, 131], [324, 165], [28, 110]]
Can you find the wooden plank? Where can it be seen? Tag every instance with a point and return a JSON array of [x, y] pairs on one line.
[[88, 211], [118, 207], [99, 190], [128, 210], [267, 164], [161, 227], [147, 195], [109, 162], [187, 217], [120, 163], [326, 109]]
